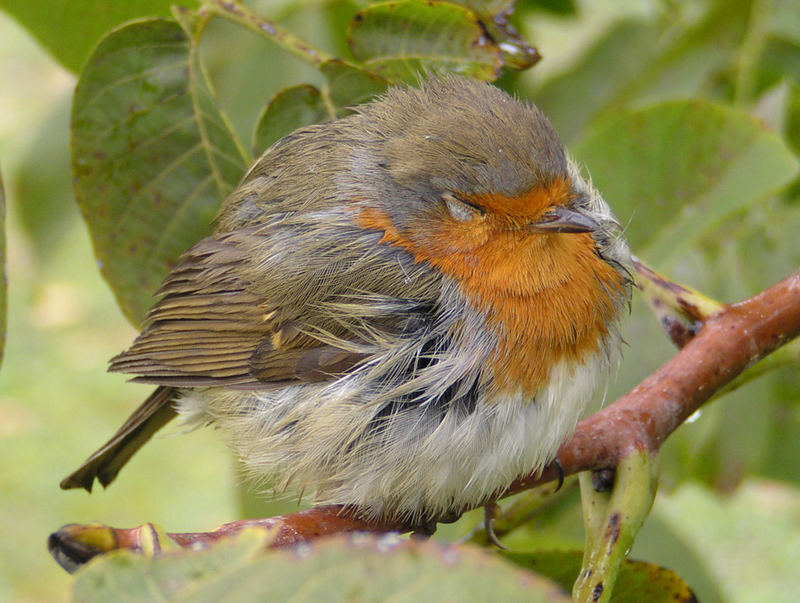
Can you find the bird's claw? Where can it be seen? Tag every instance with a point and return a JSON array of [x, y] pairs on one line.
[[490, 511]]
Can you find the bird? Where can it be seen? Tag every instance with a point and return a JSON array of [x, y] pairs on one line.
[[399, 311]]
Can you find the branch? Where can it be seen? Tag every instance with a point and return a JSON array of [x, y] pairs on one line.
[[725, 344], [75, 544]]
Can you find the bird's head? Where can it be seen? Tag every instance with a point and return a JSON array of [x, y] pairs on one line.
[[478, 184]]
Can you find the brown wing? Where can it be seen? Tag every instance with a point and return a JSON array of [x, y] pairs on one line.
[[210, 329], [233, 316]]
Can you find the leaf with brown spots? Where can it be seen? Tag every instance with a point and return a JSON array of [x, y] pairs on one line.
[[637, 581], [152, 155], [400, 40]]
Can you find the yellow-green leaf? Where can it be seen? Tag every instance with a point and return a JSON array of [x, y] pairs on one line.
[[3, 271], [356, 568], [288, 110]]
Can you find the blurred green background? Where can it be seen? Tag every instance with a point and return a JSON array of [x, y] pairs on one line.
[[727, 517], [57, 402]]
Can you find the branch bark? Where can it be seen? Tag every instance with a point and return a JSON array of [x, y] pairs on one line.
[[727, 343]]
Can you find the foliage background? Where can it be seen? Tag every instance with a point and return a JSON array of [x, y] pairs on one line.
[[728, 514]]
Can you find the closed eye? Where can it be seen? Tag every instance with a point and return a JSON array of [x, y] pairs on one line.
[[461, 210]]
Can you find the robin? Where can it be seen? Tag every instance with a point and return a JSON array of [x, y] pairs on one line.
[[400, 311]]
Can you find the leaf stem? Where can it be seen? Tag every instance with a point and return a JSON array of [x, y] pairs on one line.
[[674, 303], [750, 52], [236, 12], [612, 520]]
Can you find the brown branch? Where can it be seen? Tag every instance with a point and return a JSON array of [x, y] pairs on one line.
[[726, 344], [294, 527]]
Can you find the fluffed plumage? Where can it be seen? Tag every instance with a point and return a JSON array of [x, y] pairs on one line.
[[401, 310]]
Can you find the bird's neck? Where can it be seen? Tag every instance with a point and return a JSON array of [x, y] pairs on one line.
[[549, 298]]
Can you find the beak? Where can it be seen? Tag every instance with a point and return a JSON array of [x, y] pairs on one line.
[[563, 219]]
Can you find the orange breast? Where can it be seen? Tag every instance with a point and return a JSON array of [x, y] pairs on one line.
[[548, 296]]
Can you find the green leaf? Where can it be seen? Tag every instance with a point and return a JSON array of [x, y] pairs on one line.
[[69, 29], [126, 576], [792, 125], [488, 7], [737, 536], [400, 40], [559, 7], [784, 19], [638, 62], [3, 271], [778, 60], [288, 110], [662, 545], [350, 84], [556, 524], [637, 580], [302, 105], [735, 437], [572, 100], [152, 156], [46, 204], [675, 171], [782, 461], [357, 568]]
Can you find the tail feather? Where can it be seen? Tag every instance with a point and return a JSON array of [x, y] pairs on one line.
[[152, 415]]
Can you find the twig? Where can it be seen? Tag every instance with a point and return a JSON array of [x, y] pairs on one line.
[[236, 12], [728, 342]]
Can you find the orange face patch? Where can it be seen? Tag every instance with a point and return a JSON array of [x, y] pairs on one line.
[[547, 295], [526, 207]]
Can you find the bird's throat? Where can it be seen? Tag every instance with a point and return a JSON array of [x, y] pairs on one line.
[[549, 298]]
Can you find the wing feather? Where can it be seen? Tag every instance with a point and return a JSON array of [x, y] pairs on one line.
[[209, 328]]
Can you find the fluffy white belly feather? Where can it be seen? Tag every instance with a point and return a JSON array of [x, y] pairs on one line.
[[322, 438]]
